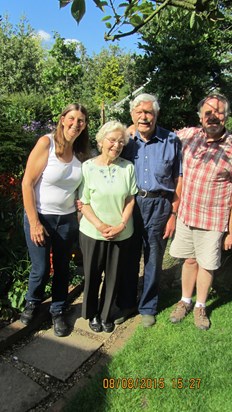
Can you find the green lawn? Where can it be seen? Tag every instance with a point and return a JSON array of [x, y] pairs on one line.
[[170, 368]]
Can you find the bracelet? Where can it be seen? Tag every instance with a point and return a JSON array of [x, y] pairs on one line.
[[124, 224]]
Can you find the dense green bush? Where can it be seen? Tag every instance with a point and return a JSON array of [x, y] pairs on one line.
[[23, 108], [23, 118]]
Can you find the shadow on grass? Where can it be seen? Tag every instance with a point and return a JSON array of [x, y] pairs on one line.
[[170, 286], [100, 394], [168, 298], [93, 394], [219, 300]]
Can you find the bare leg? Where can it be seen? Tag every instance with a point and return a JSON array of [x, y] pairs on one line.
[[204, 282], [189, 277]]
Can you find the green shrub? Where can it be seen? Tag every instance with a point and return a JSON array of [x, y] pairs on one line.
[[20, 274], [23, 108]]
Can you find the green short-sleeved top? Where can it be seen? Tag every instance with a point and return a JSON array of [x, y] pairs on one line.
[[105, 189]]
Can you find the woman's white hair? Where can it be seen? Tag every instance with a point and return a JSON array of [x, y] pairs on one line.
[[109, 127]]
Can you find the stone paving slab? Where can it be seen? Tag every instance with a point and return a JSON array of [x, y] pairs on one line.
[[75, 320], [130, 328], [84, 325], [18, 392], [17, 330], [59, 357]]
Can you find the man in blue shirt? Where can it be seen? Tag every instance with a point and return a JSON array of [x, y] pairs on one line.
[[156, 154]]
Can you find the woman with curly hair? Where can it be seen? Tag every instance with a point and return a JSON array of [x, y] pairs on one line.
[[107, 196]]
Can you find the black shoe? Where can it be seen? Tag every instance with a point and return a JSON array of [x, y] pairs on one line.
[[95, 324], [60, 326], [107, 326], [29, 313]]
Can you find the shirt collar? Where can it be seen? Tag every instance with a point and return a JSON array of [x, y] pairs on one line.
[[156, 135], [222, 138]]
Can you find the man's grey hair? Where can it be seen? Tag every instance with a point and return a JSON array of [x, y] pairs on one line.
[[218, 96], [145, 97]]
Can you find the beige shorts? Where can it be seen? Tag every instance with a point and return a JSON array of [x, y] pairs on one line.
[[200, 244]]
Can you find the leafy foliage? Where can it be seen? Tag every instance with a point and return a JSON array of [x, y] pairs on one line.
[[19, 283], [102, 88], [181, 65], [12, 300], [23, 108], [16, 112], [62, 75], [15, 142], [21, 58], [138, 13]]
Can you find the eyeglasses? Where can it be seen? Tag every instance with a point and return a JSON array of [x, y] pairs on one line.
[[113, 142]]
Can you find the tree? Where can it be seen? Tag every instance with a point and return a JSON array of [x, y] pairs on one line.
[[109, 82], [21, 58], [138, 13], [182, 65], [62, 75], [107, 77]]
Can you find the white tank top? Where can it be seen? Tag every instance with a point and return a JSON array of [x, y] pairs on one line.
[[55, 190]]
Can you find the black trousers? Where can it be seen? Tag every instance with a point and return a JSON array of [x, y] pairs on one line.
[[101, 256]]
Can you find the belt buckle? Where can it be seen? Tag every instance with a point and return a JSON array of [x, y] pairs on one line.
[[145, 193]]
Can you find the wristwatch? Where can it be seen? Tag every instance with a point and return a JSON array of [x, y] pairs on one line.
[[173, 213]]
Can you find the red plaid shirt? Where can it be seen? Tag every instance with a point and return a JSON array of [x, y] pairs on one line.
[[207, 177]]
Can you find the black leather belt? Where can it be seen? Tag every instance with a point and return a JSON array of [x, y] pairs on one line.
[[145, 193]]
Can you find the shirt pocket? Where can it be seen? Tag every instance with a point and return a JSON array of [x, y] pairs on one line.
[[163, 171]]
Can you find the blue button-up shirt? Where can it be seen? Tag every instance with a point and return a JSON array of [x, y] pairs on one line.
[[157, 162]]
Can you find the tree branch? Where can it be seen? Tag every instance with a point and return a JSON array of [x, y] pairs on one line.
[[108, 35]]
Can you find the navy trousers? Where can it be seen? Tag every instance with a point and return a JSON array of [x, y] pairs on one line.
[[63, 231], [150, 218]]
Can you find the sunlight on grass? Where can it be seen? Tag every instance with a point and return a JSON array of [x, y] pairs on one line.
[[167, 368]]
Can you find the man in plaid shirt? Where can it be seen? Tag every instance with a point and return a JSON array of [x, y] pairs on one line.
[[204, 222]]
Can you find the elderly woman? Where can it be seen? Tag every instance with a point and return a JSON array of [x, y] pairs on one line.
[[107, 194]]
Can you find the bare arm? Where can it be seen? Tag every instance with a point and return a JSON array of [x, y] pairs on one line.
[[36, 163], [171, 223]]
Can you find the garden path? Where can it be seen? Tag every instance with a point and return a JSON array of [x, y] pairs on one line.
[[40, 372]]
